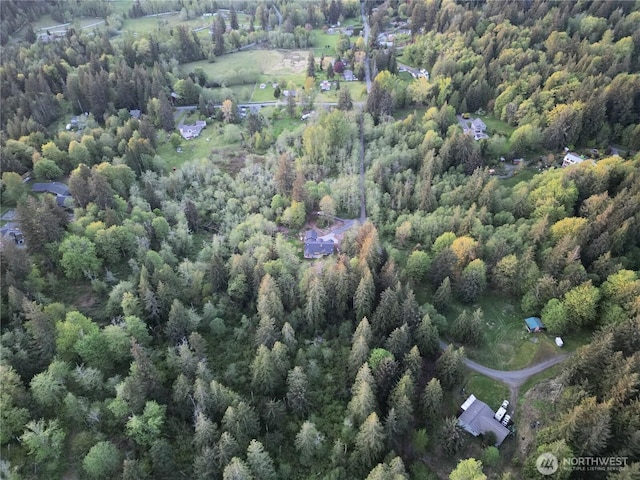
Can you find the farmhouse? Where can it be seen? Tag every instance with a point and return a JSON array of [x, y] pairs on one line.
[[534, 324], [477, 418], [315, 247], [191, 131]]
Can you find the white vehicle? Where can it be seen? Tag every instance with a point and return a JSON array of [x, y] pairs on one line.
[[505, 404], [506, 420]]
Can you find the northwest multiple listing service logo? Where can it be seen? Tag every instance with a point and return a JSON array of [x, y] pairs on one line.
[[547, 464]]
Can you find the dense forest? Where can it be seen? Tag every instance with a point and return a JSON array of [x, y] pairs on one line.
[[164, 323]]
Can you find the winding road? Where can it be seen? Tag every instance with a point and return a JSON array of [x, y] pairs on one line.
[[512, 378]]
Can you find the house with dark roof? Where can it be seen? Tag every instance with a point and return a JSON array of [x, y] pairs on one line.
[[317, 247], [477, 418], [11, 231], [534, 324], [60, 190]]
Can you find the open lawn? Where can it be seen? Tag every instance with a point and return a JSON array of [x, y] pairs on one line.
[[324, 43], [485, 389], [495, 126], [151, 24], [274, 63], [522, 176], [195, 149], [506, 345]]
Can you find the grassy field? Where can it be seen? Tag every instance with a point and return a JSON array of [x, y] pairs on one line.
[[324, 43], [151, 24], [522, 176], [486, 389], [267, 62], [497, 126], [506, 344]]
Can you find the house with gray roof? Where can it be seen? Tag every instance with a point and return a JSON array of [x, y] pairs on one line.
[[316, 247], [11, 232], [478, 419], [60, 190], [191, 131]]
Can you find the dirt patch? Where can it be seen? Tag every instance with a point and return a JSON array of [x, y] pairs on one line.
[[86, 301], [535, 414], [286, 61]]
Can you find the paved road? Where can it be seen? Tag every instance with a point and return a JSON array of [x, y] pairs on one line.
[[513, 378], [367, 69]]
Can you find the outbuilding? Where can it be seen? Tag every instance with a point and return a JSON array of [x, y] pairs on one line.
[[534, 324], [559, 342]]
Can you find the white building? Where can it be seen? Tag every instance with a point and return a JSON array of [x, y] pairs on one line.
[[571, 159]]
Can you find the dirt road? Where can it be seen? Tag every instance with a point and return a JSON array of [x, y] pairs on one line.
[[512, 378]]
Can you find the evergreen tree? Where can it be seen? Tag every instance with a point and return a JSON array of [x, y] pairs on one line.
[[451, 437], [236, 470], [432, 400], [297, 391], [316, 304], [311, 65], [442, 297], [308, 442], [260, 462], [427, 337], [234, 18], [449, 366], [363, 400], [369, 444]]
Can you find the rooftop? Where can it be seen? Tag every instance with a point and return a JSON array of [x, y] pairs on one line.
[[534, 324], [477, 419]]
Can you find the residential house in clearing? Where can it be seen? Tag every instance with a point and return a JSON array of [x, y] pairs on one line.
[[349, 76], [191, 131], [135, 114], [571, 159], [11, 232], [60, 190], [477, 129], [477, 418], [315, 247]]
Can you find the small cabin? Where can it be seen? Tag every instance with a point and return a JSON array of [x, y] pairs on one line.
[[534, 324]]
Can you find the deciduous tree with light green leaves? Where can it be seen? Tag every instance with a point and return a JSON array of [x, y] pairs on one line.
[[145, 428], [469, 469], [79, 257]]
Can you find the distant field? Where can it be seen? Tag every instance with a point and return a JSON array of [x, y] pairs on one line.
[[267, 62], [324, 43]]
